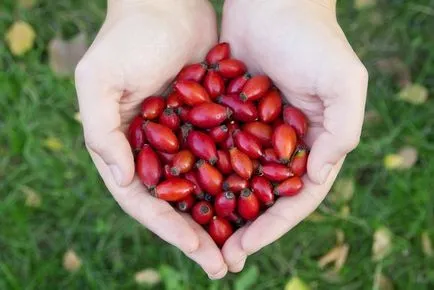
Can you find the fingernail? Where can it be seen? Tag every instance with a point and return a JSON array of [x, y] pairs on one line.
[[238, 266], [116, 174], [220, 274], [324, 173]]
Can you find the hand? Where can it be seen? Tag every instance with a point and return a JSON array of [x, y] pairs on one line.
[[139, 50], [300, 45]]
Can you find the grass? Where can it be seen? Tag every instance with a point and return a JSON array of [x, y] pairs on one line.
[[78, 213]]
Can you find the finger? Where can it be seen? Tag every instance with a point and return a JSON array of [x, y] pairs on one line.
[[207, 255], [156, 215], [344, 105], [233, 252], [99, 110], [286, 213]]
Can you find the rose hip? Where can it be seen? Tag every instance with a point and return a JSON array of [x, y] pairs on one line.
[[219, 134], [255, 88], [167, 173], [289, 187], [275, 172], [299, 161], [241, 163], [228, 143], [191, 176], [136, 136], [185, 204], [270, 106], [270, 156], [224, 162], [262, 189], [230, 68], [235, 183], [248, 205], [148, 167], [166, 158], [256, 165], [193, 72], [296, 119], [242, 111], [214, 84], [236, 85], [219, 52], [248, 144], [208, 115], [174, 100], [202, 212], [161, 137], [202, 146], [169, 119], [263, 132], [152, 107], [220, 230], [210, 179], [173, 189], [192, 93], [284, 141], [182, 162], [183, 113], [225, 204]]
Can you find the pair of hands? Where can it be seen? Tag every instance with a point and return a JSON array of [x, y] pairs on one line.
[[140, 49]]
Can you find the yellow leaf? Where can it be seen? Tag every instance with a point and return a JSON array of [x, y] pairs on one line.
[[426, 245], [343, 190], [53, 143], [71, 262], [33, 199], [296, 284], [382, 282], [362, 4], [414, 94], [393, 161], [27, 3], [338, 255], [147, 276], [382, 244], [20, 38]]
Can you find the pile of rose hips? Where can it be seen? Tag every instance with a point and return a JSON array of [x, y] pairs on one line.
[[221, 146]]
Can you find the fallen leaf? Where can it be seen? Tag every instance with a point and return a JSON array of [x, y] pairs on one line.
[[64, 55], [409, 157], [53, 143], [363, 4], [247, 278], [343, 190], [426, 245], [393, 161], [27, 3], [415, 94], [382, 282], [338, 255], [20, 38], [382, 244], [147, 276], [77, 117], [33, 199], [397, 68], [71, 262], [296, 284]]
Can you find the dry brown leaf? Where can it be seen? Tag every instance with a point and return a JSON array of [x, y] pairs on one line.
[[397, 68], [382, 282], [426, 245], [372, 116], [27, 3], [20, 38], [53, 143], [363, 4], [415, 94], [71, 262], [147, 276], [33, 199], [343, 190], [338, 255], [382, 244], [65, 55], [296, 284]]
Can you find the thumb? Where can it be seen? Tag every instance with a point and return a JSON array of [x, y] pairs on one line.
[[99, 110], [344, 107]]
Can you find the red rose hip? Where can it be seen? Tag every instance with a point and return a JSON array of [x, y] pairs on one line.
[[296, 119], [183, 162], [161, 137], [230, 68], [148, 167], [263, 132], [255, 88], [225, 203], [214, 84], [170, 119], [174, 100], [192, 93], [136, 136], [270, 106], [235, 183], [152, 107], [220, 230], [248, 144], [210, 179], [193, 72], [284, 141], [248, 205], [262, 189], [219, 52], [185, 204], [197, 191], [241, 163], [298, 163], [289, 187], [208, 115], [202, 146], [275, 172], [224, 162], [242, 111], [173, 189], [202, 212], [219, 134], [236, 85]]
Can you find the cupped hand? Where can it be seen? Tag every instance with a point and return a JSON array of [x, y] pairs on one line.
[[300, 45], [139, 50]]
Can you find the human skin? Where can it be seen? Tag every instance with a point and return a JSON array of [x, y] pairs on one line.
[[144, 43], [300, 45]]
